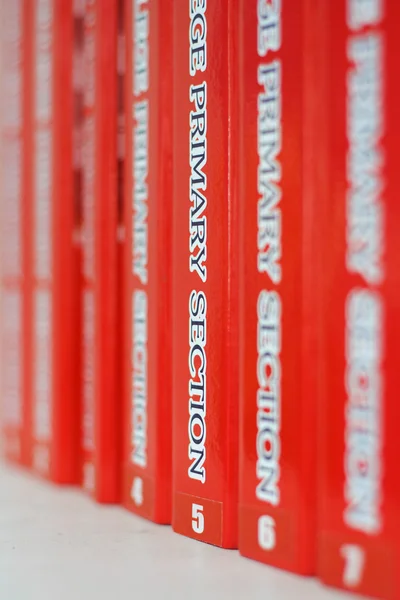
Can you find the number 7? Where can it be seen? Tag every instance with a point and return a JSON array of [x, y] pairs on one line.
[[354, 562]]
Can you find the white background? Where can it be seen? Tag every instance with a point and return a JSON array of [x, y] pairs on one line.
[[56, 544]]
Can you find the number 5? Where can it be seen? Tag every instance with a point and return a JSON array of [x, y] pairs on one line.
[[197, 518], [354, 560]]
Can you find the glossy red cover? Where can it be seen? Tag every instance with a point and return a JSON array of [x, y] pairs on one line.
[[77, 164], [359, 485], [205, 272], [147, 260], [55, 398], [121, 147], [279, 220], [101, 404], [15, 178]]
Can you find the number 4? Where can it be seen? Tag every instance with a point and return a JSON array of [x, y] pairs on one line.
[[354, 561], [197, 518]]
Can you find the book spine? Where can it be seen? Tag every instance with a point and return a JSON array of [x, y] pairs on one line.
[[279, 334], [101, 412], [13, 228], [148, 269], [358, 538], [205, 271]]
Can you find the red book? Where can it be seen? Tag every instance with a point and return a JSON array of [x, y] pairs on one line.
[[101, 406], [121, 61], [77, 164], [54, 275], [147, 265], [15, 230], [205, 272], [280, 223], [359, 485]]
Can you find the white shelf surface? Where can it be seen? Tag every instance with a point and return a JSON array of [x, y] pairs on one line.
[[56, 544]]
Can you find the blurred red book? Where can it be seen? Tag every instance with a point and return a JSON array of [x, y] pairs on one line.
[[55, 279], [359, 484], [280, 220], [147, 267], [15, 231], [101, 402]]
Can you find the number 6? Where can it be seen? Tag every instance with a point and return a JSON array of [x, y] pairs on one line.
[[266, 533], [197, 518]]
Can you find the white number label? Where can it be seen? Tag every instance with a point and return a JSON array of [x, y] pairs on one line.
[[197, 518], [266, 533], [137, 491], [41, 459], [89, 477], [354, 560]]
